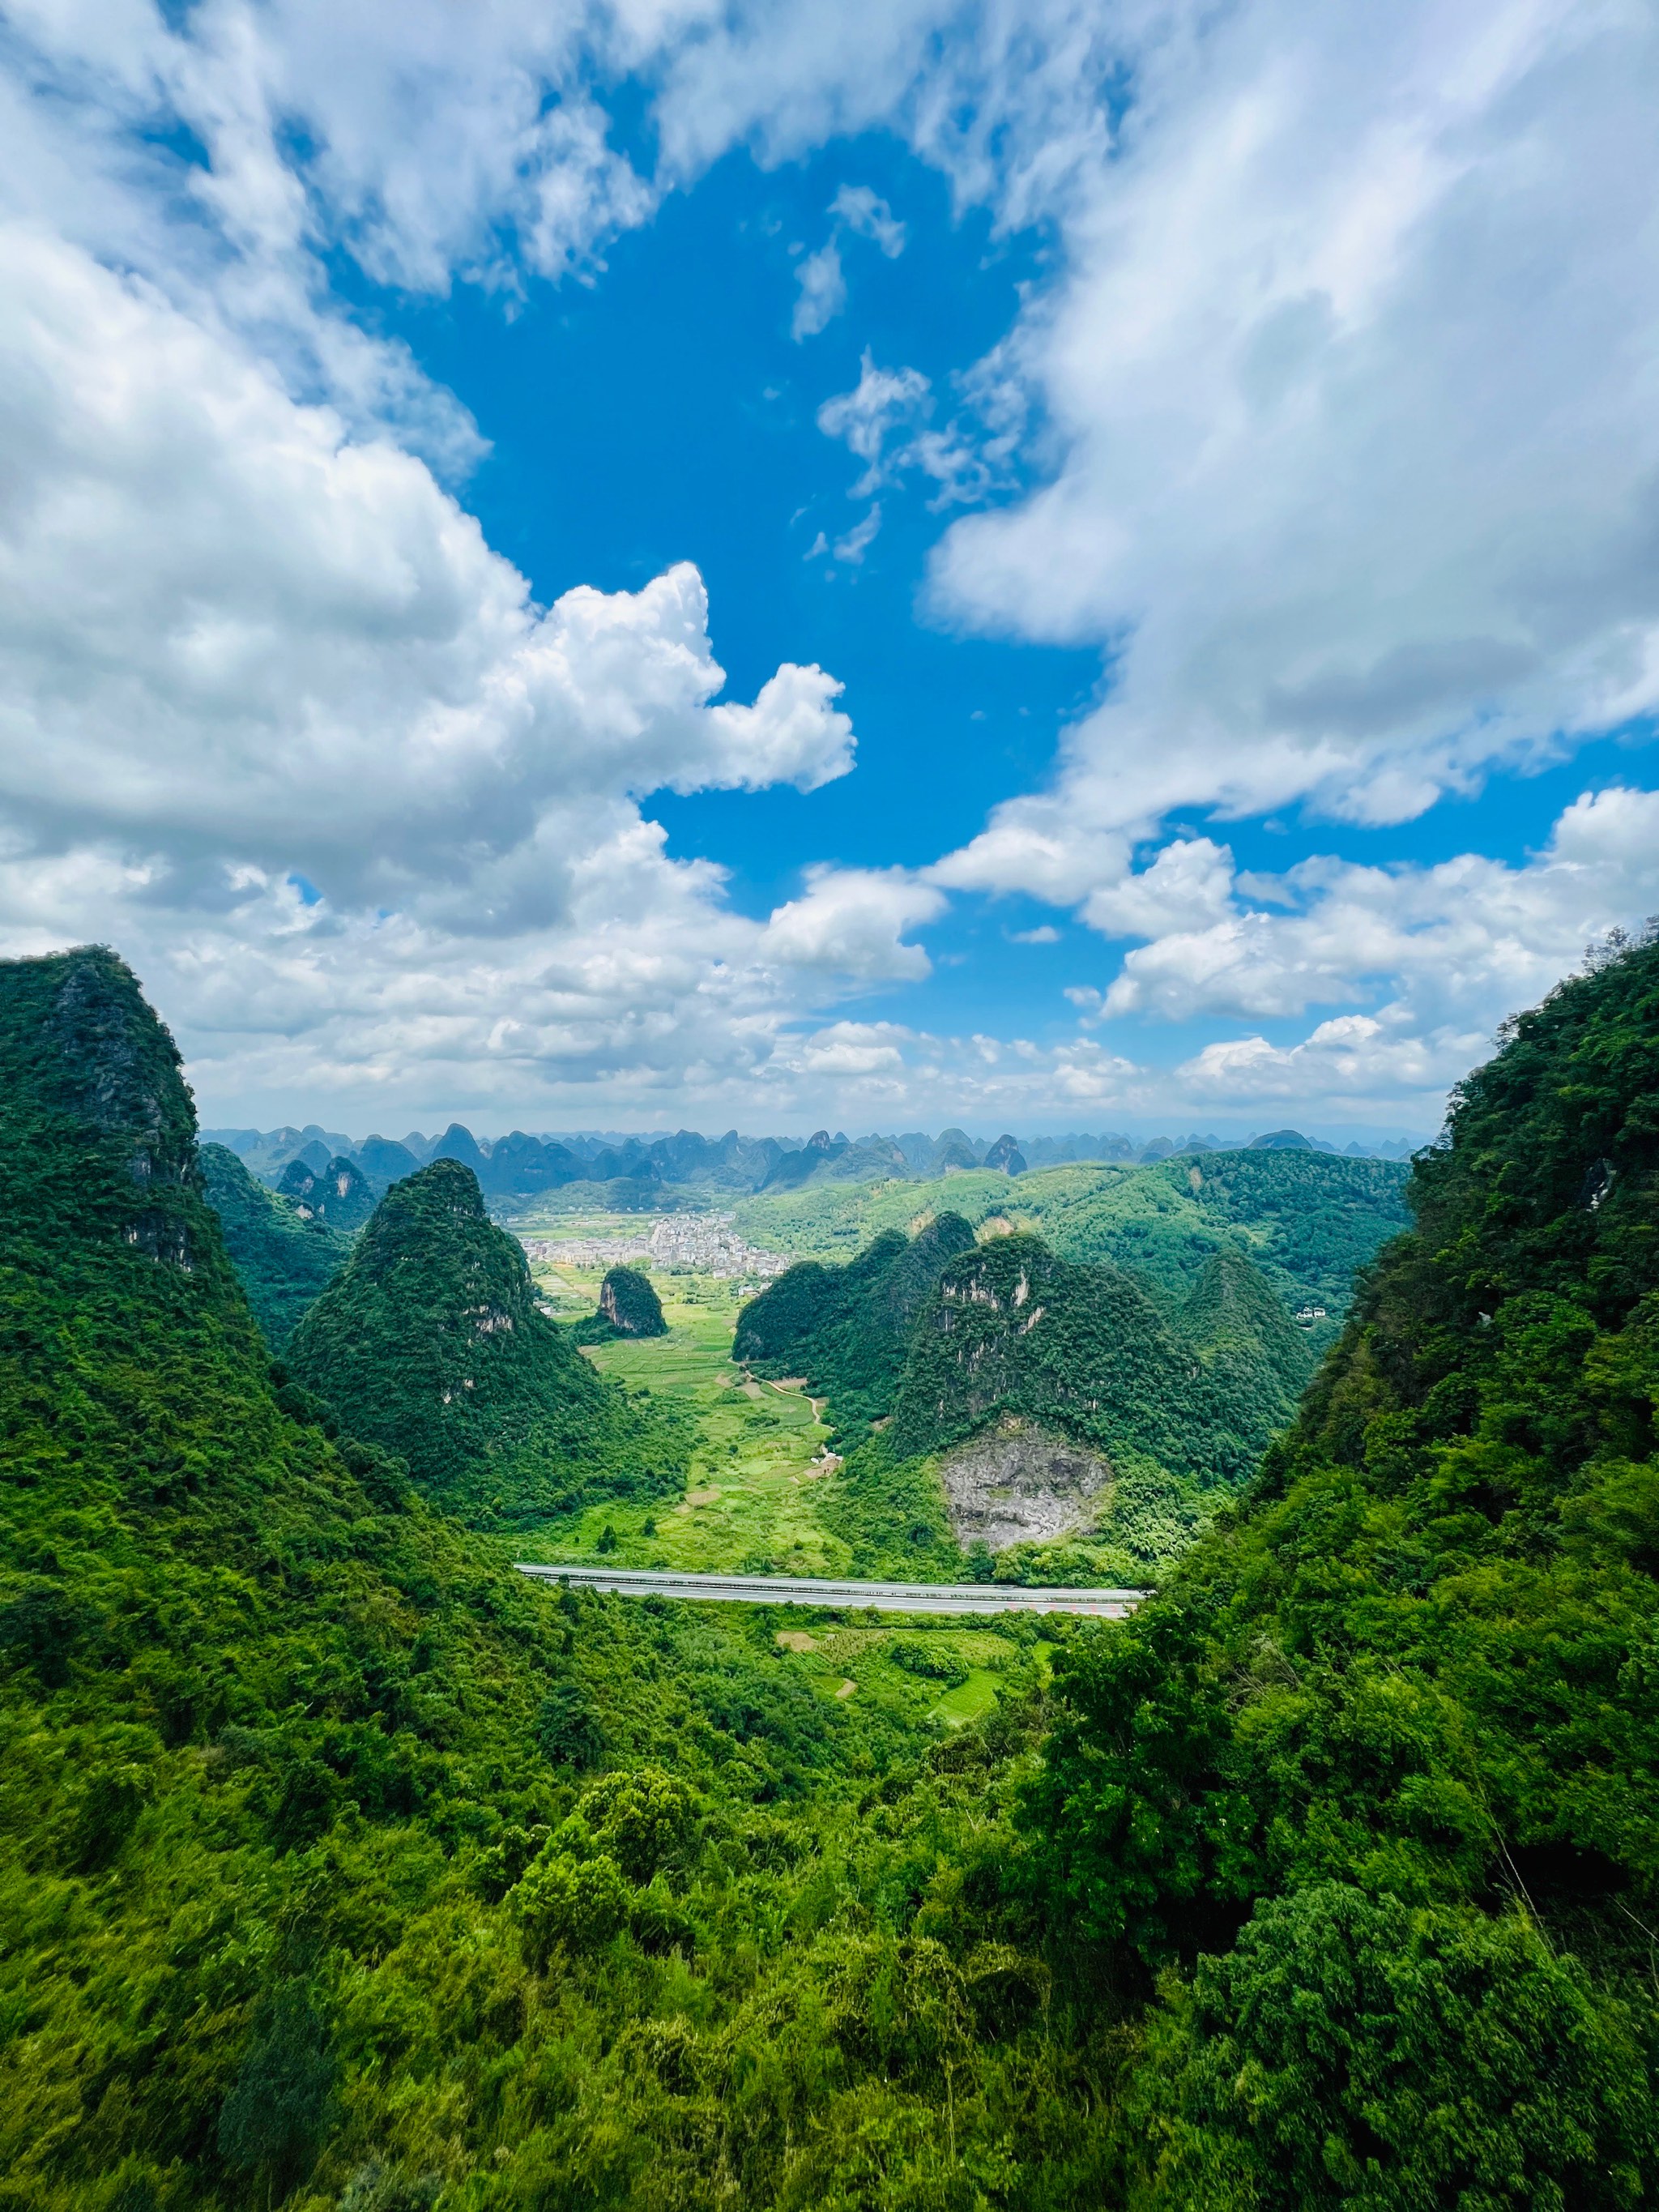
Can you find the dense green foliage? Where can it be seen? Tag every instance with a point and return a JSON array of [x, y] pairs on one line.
[[848, 1329], [1307, 1219], [628, 1306], [283, 1260], [1396, 1718], [942, 1338], [338, 1866], [432, 1344], [339, 1194], [1012, 1328]]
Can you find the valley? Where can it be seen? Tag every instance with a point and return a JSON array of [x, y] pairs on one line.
[[750, 1504], [345, 1866]]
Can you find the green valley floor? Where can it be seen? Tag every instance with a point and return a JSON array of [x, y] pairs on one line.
[[751, 1506]]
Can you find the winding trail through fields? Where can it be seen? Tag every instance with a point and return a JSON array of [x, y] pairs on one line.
[[879, 1597]]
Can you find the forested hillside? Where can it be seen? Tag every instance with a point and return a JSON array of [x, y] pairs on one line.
[[1308, 1220], [1376, 1778], [284, 1259], [935, 1339], [431, 1343], [341, 1868], [1012, 1328], [848, 1329]]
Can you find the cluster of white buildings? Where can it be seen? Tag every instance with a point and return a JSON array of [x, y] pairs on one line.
[[705, 1243]]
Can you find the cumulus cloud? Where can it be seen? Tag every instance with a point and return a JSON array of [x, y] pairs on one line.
[[1353, 447], [1334, 419], [1470, 937], [227, 627], [854, 1048], [1353, 1055], [278, 721], [852, 920]]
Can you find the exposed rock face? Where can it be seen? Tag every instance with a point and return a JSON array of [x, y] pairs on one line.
[[1016, 1483], [628, 1302], [337, 1194]]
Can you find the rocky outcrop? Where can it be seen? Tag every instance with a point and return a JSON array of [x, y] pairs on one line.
[[629, 1305], [339, 1194], [102, 1058], [1016, 1484]]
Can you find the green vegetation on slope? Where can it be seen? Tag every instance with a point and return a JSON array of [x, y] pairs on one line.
[[847, 1329], [339, 1868], [283, 1262], [1378, 1774], [945, 1339], [431, 1344], [1014, 1329], [628, 1306], [1308, 1220], [339, 1194]]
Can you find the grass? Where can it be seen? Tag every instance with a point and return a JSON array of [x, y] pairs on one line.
[[832, 1655], [752, 1506], [749, 1506]]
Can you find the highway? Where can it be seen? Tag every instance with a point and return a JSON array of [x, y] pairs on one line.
[[878, 1597]]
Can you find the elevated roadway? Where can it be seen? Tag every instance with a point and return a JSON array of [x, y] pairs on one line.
[[879, 1597]]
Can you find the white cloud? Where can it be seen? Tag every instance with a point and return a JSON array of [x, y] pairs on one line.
[[865, 212], [1335, 395], [226, 627], [1188, 884], [820, 276], [822, 292], [896, 404], [884, 400], [853, 547], [1354, 1055], [275, 721], [1461, 943], [854, 1048], [851, 920], [1352, 440]]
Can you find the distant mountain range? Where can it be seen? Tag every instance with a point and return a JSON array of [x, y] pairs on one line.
[[633, 1168]]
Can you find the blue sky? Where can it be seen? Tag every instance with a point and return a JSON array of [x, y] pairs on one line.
[[1172, 489]]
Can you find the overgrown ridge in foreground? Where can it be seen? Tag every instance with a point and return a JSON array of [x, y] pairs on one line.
[[342, 1867], [342, 1870]]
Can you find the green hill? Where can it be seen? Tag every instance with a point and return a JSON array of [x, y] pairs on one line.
[[1375, 1781], [431, 1343], [1308, 1220], [339, 1194], [628, 1306], [847, 1329], [284, 1259], [342, 1869], [936, 1340], [1013, 1328]]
